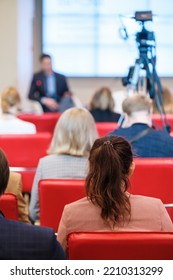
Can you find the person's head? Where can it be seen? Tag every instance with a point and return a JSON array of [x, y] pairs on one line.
[[10, 100], [102, 99], [167, 97], [137, 109], [74, 134], [110, 166], [46, 63], [4, 172]]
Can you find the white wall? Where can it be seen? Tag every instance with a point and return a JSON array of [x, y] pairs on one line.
[[16, 43]]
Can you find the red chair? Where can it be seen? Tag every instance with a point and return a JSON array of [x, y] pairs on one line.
[[25, 150], [120, 246], [54, 195], [104, 128], [27, 177], [23, 153], [8, 206], [153, 177], [44, 123], [156, 119]]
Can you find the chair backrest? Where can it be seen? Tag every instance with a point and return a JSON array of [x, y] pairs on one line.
[[157, 122], [44, 123], [54, 195], [8, 205], [25, 150], [120, 246], [153, 177], [27, 177], [104, 128]]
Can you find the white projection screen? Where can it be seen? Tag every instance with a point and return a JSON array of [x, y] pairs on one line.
[[83, 37]]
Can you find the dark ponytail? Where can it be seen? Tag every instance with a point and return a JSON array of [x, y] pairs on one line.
[[110, 160]]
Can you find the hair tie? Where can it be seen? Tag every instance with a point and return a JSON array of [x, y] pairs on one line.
[[108, 143]]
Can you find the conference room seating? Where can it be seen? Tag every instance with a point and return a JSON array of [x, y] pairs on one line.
[[44, 123], [8, 206], [54, 195], [152, 177], [120, 246], [104, 128], [23, 153]]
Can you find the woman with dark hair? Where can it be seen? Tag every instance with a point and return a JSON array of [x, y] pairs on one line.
[[108, 206]]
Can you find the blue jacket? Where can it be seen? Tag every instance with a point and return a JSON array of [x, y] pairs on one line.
[[38, 88], [157, 143], [20, 241]]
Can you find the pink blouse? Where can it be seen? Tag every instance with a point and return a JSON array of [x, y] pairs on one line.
[[147, 214]]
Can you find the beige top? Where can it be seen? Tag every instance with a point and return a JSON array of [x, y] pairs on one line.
[[147, 214], [15, 187]]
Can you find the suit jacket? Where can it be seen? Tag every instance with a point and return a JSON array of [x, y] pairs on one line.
[[15, 187], [38, 88], [147, 214], [104, 115], [19, 241], [157, 143]]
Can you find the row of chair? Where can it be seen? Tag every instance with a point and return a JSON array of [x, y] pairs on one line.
[[107, 246], [150, 179], [24, 151], [47, 121]]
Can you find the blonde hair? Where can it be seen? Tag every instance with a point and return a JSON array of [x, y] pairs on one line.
[[167, 97], [9, 98], [136, 103], [74, 134], [102, 99]]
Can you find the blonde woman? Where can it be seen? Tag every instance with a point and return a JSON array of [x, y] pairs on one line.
[[73, 138], [102, 106], [10, 105]]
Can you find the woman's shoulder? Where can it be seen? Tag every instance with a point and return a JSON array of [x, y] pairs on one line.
[[144, 200], [78, 204]]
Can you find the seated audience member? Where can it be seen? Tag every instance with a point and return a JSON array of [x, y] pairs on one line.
[[73, 138], [102, 105], [21, 241], [47, 86], [108, 206], [167, 97], [9, 123], [137, 128], [15, 187]]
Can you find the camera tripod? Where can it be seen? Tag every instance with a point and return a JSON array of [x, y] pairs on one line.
[[153, 84]]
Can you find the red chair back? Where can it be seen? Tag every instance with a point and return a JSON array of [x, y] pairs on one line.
[[54, 195], [158, 123], [8, 206], [44, 123], [27, 177], [25, 150], [120, 246], [153, 177], [104, 128]]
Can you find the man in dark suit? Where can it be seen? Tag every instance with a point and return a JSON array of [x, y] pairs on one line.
[[137, 128], [48, 87], [23, 241]]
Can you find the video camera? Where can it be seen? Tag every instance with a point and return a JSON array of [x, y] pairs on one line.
[[145, 39]]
